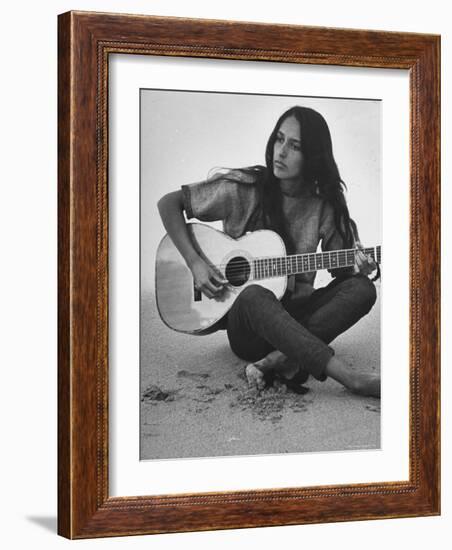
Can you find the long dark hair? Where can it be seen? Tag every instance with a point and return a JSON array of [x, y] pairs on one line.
[[320, 175]]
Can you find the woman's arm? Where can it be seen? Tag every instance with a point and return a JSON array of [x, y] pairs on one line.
[[171, 209]]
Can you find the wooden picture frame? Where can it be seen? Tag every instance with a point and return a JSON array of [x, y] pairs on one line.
[[85, 42]]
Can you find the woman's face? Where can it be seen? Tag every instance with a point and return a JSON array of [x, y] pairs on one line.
[[287, 155]]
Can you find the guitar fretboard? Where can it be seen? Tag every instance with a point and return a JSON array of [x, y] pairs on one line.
[[264, 268]]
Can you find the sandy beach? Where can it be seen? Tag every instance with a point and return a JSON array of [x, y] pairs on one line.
[[195, 401]]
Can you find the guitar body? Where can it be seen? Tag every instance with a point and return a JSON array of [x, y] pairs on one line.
[[184, 309]]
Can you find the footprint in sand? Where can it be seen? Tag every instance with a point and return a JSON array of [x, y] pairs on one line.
[[195, 375], [154, 393], [371, 408]]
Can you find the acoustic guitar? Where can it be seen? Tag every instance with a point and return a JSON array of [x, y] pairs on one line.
[[256, 258]]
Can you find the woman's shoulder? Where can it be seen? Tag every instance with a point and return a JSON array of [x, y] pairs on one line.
[[249, 176]]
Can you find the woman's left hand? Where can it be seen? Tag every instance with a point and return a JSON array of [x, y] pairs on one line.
[[364, 263]]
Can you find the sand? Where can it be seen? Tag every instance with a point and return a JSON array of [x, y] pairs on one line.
[[195, 401]]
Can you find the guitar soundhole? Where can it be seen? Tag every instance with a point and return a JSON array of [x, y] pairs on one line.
[[238, 271]]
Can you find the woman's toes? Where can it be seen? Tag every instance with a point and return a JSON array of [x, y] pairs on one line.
[[255, 377]]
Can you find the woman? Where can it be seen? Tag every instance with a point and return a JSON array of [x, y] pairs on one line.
[[298, 194]]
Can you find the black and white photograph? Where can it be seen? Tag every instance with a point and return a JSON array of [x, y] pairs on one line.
[[225, 233], [261, 270]]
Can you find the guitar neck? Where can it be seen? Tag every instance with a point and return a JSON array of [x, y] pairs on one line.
[[263, 268]]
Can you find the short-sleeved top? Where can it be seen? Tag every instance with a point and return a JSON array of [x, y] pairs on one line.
[[234, 199]]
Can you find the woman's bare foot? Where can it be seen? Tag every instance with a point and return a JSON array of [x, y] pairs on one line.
[[367, 385], [255, 377], [275, 364]]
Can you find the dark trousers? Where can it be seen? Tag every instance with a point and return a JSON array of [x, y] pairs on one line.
[[258, 323]]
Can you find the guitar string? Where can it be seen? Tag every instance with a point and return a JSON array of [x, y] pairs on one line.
[[281, 267], [262, 273], [269, 262], [268, 272], [316, 254], [257, 274]]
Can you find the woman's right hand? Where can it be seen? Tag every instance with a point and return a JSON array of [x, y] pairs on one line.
[[209, 281]]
